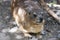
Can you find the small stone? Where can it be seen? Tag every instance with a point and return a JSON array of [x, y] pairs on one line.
[[52, 39], [58, 13], [58, 31], [13, 30], [58, 35], [7, 17], [5, 30], [19, 37], [3, 36], [33, 38], [43, 32]]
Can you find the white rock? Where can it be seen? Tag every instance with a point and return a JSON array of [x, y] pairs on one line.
[[5, 30], [13, 30], [18, 37]]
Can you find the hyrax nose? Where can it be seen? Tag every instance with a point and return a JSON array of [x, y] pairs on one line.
[[39, 20]]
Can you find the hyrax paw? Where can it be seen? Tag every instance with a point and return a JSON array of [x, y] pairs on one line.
[[27, 35]]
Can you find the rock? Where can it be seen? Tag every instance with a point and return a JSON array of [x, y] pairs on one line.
[[5, 30], [33, 38], [13, 30], [4, 36], [58, 13], [52, 39], [58, 35], [18, 37]]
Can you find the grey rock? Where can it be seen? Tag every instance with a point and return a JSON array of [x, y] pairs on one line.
[[52, 39], [3, 36], [58, 35]]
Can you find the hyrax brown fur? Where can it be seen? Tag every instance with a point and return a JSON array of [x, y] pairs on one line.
[[27, 22]]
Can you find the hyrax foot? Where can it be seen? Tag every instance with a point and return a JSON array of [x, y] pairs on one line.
[[27, 35]]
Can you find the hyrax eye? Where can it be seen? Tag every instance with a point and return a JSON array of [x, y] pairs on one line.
[[35, 15]]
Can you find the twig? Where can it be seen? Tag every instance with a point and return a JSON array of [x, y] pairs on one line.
[[54, 5], [50, 12]]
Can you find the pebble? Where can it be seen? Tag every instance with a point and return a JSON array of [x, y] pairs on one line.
[[13, 30], [58, 35], [5, 30], [33, 38], [18, 37], [52, 38], [3, 36], [58, 13]]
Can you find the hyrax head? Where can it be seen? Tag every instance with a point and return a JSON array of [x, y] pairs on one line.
[[35, 17], [30, 16]]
